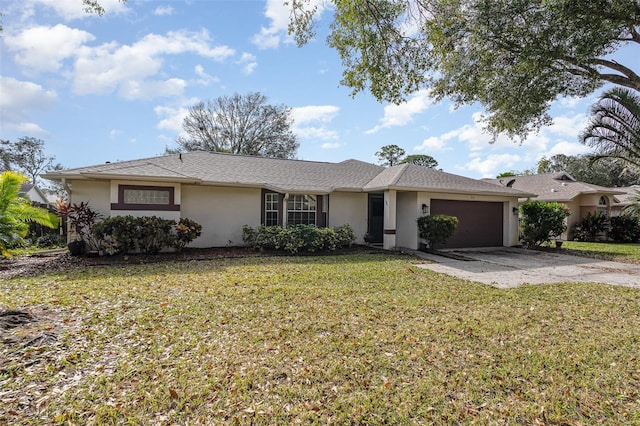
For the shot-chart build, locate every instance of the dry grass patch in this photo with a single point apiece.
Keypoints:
(344, 339)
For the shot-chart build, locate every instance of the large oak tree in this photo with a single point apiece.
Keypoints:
(513, 57)
(239, 124)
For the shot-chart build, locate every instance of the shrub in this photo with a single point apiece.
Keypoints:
(50, 240)
(542, 221)
(81, 218)
(148, 234)
(437, 229)
(186, 231)
(296, 238)
(589, 227)
(624, 229)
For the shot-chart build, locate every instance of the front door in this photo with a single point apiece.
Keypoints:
(376, 218)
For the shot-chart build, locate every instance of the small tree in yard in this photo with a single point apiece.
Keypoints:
(437, 229)
(542, 221)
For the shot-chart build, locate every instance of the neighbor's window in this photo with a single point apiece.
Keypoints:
(603, 205)
(301, 209)
(271, 200)
(137, 197)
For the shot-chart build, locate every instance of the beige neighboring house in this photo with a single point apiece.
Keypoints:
(621, 201)
(579, 197)
(223, 192)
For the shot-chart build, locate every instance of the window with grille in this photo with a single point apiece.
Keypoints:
(301, 210)
(271, 202)
(140, 197)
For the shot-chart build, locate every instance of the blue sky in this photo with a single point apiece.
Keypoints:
(116, 87)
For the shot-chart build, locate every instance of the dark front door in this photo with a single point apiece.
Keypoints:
(376, 218)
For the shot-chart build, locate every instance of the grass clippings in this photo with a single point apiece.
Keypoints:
(354, 339)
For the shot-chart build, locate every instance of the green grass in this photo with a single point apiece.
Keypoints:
(357, 339)
(614, 251)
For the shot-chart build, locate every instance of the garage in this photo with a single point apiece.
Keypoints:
(479, 222)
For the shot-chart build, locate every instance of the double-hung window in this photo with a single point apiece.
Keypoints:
(271, 208)
(301, 209)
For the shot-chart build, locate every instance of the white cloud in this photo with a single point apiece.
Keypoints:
(311, 113)
(43, 48)
(437, 143)
(330, 145)
(18, 100)
(568, 148)
(303, 116)
(249, 63)
(126, 68)
(400, 115)
(73, 9)
(270, 37)
(114, 133)
(171, 118)
(163, 11)
(492, 164)
(205, 79)
(21, 96)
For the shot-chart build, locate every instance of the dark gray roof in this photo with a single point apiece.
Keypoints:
(558, 186)
(282, 175)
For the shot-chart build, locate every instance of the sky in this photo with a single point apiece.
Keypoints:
(116, 87)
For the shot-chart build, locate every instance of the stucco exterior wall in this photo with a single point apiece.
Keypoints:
(349, 208)
(221, 211)
(407, 214)
(96, 193)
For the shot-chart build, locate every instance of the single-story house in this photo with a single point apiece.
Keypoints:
(223, 192)
(579, 197)
(621, 201)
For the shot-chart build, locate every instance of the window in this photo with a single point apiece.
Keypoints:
(603, 205)
(138, 197)
(301, 210)
(271, 204)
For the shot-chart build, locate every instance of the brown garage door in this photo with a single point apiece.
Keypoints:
(479, 222)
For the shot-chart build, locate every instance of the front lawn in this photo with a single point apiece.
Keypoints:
(613, 251)
(354, 339)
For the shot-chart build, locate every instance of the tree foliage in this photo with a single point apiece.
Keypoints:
(27, 156)
(16, 212)
(608, 172)
(513, 57)
(239, 124)
(614, 128)
(390, 155)
(421, 160)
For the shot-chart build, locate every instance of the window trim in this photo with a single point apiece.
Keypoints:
(263, 212)
(121, 205)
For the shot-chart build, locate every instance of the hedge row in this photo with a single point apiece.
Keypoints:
(296, 238)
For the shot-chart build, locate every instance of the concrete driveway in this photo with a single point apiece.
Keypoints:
(507, 267)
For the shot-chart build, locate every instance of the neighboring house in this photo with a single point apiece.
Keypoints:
(33, 193)
(223, 192)
(621, 201)
(579, 197)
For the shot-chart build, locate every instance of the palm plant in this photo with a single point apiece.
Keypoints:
(614, 128)
(633, 208)
(16, 212)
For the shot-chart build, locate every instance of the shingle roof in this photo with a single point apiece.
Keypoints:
(559, 186)
(414, 177)
(625, 198)
(282, 175)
